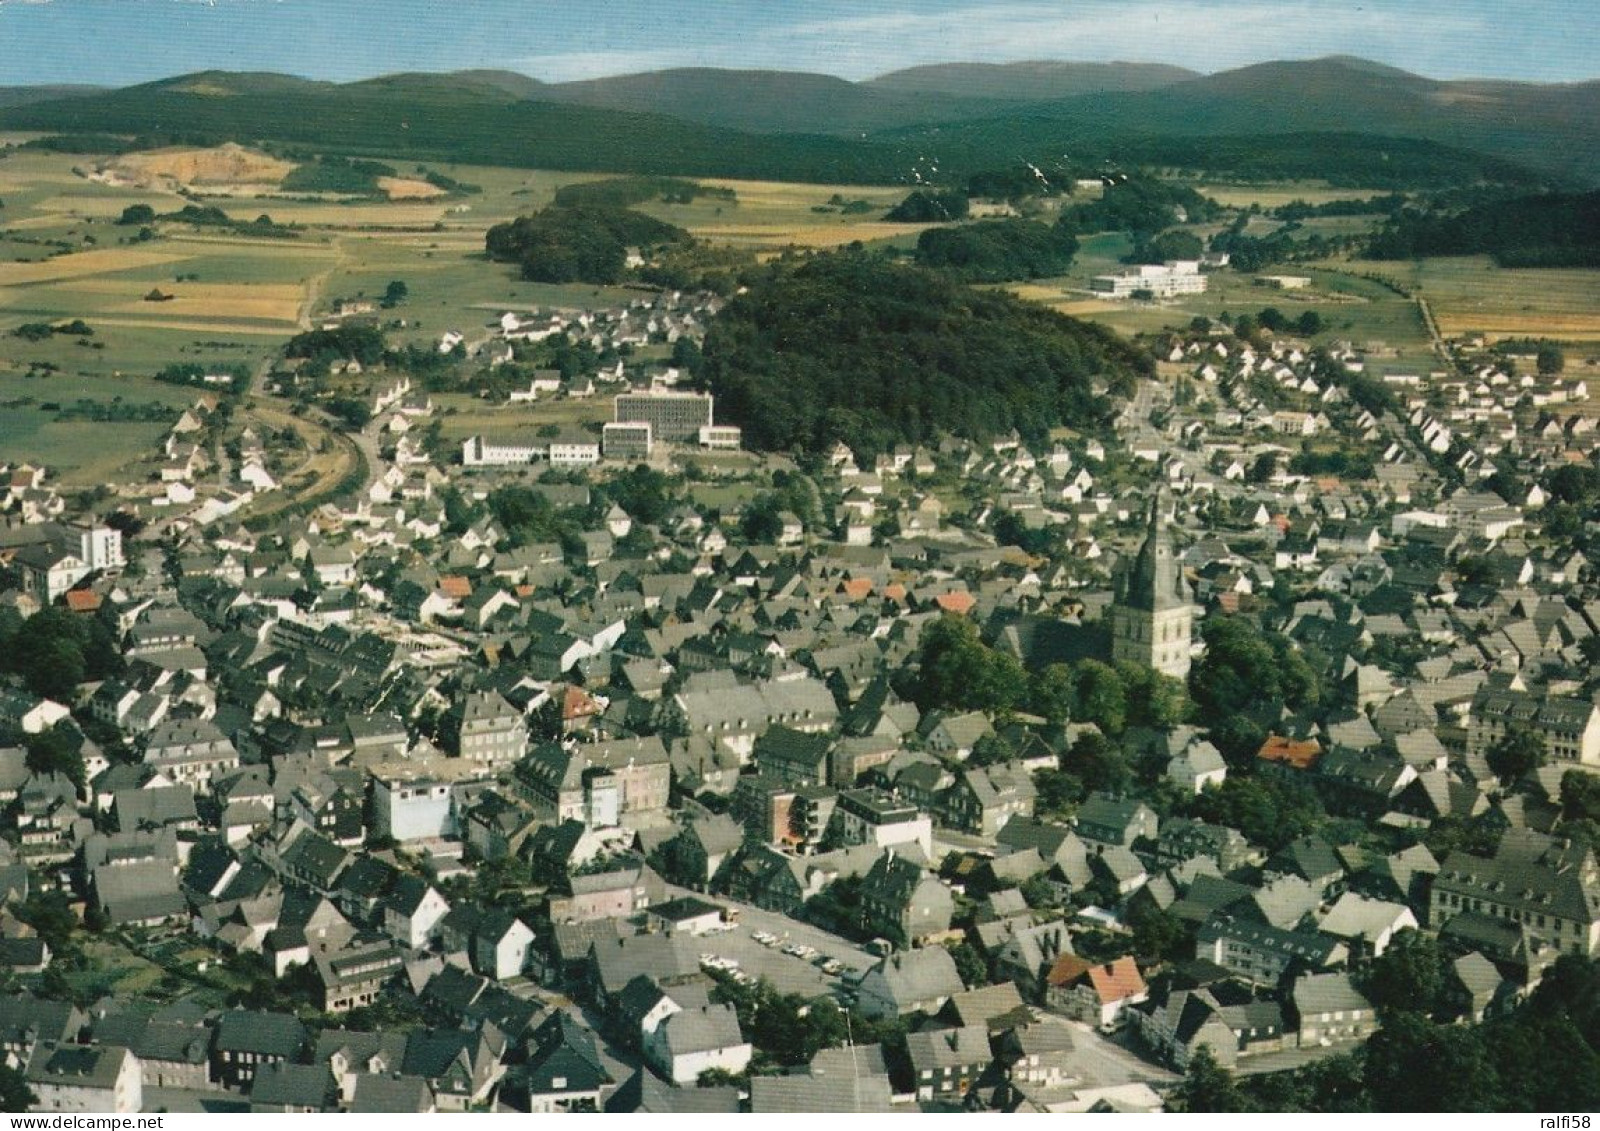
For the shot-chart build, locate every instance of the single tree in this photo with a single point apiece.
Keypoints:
(1518, 752)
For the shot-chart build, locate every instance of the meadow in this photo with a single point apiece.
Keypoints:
(1472, 295)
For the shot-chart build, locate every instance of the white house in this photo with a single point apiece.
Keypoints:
(693, 1041)
(500, 948)
(85, 1078)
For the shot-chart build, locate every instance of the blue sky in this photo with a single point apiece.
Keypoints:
(126, 41)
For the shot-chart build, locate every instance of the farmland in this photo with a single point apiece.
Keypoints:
(230, 295)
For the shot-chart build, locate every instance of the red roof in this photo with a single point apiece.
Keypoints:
(1112, 981)
(1118, 980)
(895, 591)
(83, 600)
(458, 588)
(857, 588)
(576, 703)
(956, 602)
(1299, 754)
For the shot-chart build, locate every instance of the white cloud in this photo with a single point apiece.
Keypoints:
(574, 65)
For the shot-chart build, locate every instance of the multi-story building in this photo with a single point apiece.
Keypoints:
(598, 783)
(674, 418)
(501, 451)
(1549, 888)
(628, 440)
(1161, 280)
(492, 732)
(1569, 727)
(866, 816)
(79, 1078)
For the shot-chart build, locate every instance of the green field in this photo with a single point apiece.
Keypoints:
(87, 452)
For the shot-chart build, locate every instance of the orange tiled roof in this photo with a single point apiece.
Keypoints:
(458, 588)
(1118, 980)
(576, 703)
(83, 600)
(956, 602)
(857, 588)
(1301, 754)
(1113, 981)
(1067, 969)
(895, 591)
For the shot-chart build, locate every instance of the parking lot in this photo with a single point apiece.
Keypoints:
(790, 973)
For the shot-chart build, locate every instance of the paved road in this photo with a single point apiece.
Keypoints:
(1102, 1062)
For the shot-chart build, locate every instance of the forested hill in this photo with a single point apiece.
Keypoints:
(851, 347)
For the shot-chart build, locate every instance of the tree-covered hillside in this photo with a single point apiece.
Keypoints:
(855, 348)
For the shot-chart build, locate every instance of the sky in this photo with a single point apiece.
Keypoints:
(119, 42)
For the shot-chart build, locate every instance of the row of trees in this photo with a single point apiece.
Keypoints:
(1537, 230)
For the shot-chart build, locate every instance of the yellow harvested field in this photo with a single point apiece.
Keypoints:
(399, 188)
(354, 215)
(788, 192)
(82, 264)
(209, 305)
(215, 327)
(819, 235)
(225, 164)
(1275, 196)
(1569, 327)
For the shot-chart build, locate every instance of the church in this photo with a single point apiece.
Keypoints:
(1152, 617)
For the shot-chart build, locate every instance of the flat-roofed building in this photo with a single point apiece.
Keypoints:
(673, 417)
(1161, 280)
(627, 440)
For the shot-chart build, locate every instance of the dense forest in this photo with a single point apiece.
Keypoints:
(852, 347)
(929, 206)
(1142, 205)
(1540, 230)
(625, 192)
(584, 245)
(994, 251)
(339, 174)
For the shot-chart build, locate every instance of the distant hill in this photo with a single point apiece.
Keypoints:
(505, 85)
(1551, 128)
(768, 101)
(1036, 81)
(1347, 120)
(436, 117)
(26, 95)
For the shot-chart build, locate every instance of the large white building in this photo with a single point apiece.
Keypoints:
(501, 451)
(1163, 280)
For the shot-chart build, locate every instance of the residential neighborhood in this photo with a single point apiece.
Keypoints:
(626, 771)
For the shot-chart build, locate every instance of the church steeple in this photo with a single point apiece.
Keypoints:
(1155, 581)
(1153, 614)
